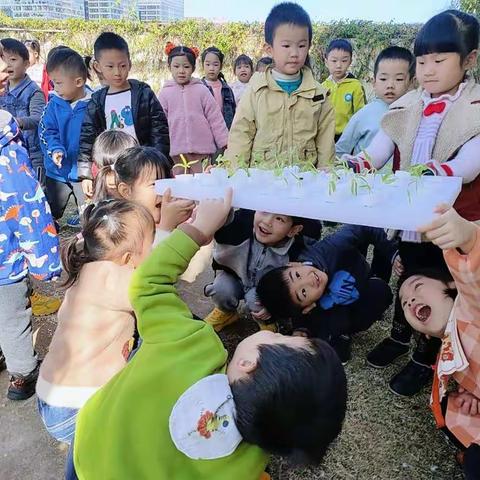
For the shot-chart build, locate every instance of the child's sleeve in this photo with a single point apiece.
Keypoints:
(215, 119)
(359, 99)
(243, 130)
(90, 131)
(376, 155)
(36, 107)
(159, 137)
(49, 134)
(465, 270)
(153, 294)
(465, 164)
(349, 138)
(325, 139)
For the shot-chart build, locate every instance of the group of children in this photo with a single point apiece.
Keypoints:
(127, 347)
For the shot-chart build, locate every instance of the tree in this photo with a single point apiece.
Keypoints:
(470, 6)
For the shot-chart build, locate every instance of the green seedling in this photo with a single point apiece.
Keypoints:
(186, 165)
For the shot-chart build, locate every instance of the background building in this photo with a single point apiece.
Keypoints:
(160, 10)
(110, 9)
(52, 9)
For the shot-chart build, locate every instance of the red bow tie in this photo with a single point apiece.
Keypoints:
(434, 108)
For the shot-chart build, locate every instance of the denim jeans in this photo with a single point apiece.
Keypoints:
(59, 421)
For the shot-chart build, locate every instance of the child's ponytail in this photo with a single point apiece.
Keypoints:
(106, 176)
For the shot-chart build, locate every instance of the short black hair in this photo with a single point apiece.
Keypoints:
(396, 53)
(33, 44)
(449, 31)
(442, 275)
(289, 13)
(182, 52)
(264, 61)
(274, 294)
(293, 404)
(243, 60)
(14, 46)
(109, 41)
(216, 51)
(69, 60)
(339, 44)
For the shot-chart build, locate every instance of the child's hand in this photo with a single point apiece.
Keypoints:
(262, 315)
(212, 214)
(398, 267)
(87, 187)
(174, 211)
(469, 404)
(450, 230)
(57, 158)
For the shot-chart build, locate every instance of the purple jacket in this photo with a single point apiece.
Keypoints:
(195, 122)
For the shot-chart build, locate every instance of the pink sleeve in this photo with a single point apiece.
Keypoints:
(215, 119)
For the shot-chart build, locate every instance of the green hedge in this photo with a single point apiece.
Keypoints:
(147, 40)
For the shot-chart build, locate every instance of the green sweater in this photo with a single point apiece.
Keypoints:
(122, 432)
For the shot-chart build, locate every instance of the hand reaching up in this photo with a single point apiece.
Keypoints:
(174, 211)
(211, 214)
(450, 230)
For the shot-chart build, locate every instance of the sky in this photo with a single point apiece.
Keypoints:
(408, 11)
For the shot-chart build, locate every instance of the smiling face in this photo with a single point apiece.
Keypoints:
(181, 70)
(290, 48)
(243, 72)
(306, 285)
(16, 67)
(442, 73)
(338, 62)
(270, 228)
(114, 65)
(392, 80)
(426, 305)
(212, 67)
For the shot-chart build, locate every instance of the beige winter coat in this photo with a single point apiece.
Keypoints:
(270, 124)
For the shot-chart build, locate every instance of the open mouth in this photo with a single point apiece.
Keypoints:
(263, 231)
(423, 312)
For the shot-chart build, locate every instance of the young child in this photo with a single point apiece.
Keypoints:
(60, 128)
(28, 245)
(24, 100)
(196, 125)
(332, 294)
(249, 245)
(285, 112)
(263, 63)
(438, 126)
(438, 305)
(105, 152)
(243, 70)
(212, 63)
(36, 69)
(94, 335)
(183, 405)
(393, 74)
(346, 92)
(124, 104)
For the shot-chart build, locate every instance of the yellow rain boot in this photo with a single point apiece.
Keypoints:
(219, 319)
(43, 305)
(272, 327)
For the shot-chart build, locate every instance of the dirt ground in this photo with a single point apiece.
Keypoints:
(384, 437)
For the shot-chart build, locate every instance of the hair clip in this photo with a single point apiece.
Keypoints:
(169, 47)
(105, 217)
(195, 51)
(112, 167)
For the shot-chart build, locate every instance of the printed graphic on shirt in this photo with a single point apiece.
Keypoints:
(118, 112)
(348, 97)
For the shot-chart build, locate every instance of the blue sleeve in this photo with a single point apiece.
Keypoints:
(49, 133)
(349, 138)
(33, 226)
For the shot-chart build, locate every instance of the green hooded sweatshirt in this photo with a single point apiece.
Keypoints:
(122, 432)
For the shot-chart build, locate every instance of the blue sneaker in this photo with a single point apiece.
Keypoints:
(73, 221)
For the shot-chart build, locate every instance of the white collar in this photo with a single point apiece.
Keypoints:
(202, 422)
(427, 99)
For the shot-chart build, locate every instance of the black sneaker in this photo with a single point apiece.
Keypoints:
(23, 386)
(411, 380)
(343, 346)
(386, 352)
(3, 364)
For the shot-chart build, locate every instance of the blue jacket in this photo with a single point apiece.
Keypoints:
(26, 101)
(28, 239)
(59, 130)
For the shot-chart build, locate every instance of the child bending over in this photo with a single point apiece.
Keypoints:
(178, 411)
(448, 307)
(331, 294)
(285, 112)
(95, 329)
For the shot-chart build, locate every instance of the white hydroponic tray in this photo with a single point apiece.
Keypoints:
(400, 201)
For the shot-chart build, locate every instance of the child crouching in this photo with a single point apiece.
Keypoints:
(177, 403)
(96, 321)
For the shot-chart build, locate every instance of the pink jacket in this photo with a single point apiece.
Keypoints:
(195, 121)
